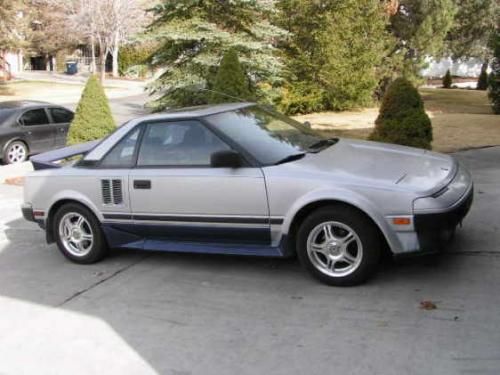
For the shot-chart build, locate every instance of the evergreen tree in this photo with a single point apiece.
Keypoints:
(420, 28)
(447, 80)
(334, 53)
(473, 27)
(93, 119)
(230, 83)
(192, 37)
(494, 79)
(402, 118)
(482, 82)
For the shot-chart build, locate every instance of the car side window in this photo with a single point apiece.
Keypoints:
(61, 115)
(122, 154)
(181, 143)
(34, 117)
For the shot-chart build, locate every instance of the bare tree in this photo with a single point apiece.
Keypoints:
(107, 24)
(129, 17)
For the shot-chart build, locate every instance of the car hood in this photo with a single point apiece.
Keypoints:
(385, 165)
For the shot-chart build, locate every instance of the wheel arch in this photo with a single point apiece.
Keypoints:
(15, 139)
(55, 206)
(306, 209)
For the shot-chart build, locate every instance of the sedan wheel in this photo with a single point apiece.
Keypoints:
(78, 234)
(339, 245)
(16, 152)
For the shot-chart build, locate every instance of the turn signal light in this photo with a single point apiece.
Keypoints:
(401, 221)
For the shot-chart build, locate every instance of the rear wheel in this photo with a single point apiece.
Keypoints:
(79, 235)
(15, 152)
(339, 245)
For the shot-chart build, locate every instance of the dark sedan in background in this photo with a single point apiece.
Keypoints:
(29, 127)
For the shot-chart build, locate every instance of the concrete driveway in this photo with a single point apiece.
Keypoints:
(142, 313)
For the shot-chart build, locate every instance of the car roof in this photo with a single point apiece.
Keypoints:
(172, 114)
(15, 104)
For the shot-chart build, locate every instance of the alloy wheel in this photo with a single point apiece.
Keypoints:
(76, 234)
(334, 249)
(16, 153)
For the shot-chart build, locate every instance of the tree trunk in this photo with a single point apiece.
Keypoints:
(102, 58)
(116, 48)
(93, 67)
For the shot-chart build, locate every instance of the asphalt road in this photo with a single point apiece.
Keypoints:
(140, 313)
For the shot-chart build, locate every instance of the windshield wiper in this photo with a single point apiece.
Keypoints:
(291, 158)
(322, 144)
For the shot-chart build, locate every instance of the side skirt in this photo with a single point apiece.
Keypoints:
(119, 238)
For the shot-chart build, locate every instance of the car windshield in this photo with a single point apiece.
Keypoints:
(269, 137)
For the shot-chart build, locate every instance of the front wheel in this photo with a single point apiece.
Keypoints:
(79, 235)
(339, 245)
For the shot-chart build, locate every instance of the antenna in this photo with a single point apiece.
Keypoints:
(194, 88)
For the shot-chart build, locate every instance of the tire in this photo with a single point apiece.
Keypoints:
(79, 235)
(15, 152)
(339, 245)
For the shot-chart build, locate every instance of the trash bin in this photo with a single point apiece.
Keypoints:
(71, 67)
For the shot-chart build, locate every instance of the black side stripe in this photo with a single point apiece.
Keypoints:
(195, 219)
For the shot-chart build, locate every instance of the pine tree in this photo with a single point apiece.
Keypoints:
(334, 54)
(447, 80)
(402, 118)
(494, 79)
(230, 83)
(420, 28)
(93, 119)
(482, 82)
(193, 36)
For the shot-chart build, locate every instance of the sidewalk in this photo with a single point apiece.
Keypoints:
(64, 89)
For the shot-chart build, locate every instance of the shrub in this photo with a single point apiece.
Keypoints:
(482, 82)
(93, 118)
(494, 80)
(402, 118)
(132, 55)
(447, 80)
(230, 83)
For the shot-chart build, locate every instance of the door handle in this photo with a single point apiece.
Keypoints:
(142, 184)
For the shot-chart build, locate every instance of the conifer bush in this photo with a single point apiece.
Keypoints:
(447, 80)
(93, 119)
(494, 79)
(231, 82)
(482, 82)
(402, 118)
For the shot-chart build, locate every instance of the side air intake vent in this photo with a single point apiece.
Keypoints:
(112, 191)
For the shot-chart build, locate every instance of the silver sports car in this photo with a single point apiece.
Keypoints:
(241, 179)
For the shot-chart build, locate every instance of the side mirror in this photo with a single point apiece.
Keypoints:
(307, 124)
(225, 159)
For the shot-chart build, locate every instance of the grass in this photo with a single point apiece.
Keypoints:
(461, 119)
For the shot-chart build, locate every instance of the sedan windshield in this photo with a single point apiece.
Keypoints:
(269, 137)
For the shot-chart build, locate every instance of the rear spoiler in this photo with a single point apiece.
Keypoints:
(49, 159)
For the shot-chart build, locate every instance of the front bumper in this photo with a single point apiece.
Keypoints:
(435, 229)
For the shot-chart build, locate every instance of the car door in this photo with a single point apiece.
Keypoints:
(61, 118)
(175, 193)
(37, 130)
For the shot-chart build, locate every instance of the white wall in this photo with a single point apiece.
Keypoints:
(438, 68)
